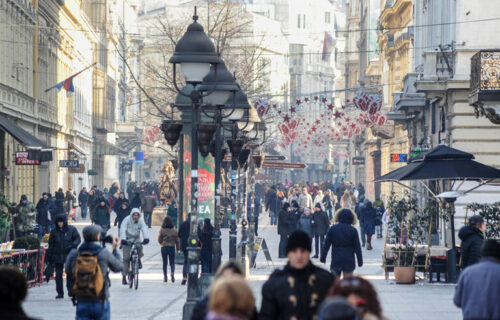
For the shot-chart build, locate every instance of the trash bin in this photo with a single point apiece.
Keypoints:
(451, 265)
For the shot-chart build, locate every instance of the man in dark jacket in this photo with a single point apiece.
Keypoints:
(284, 220)
(273, 205)
(83, 199)
(147, 205)
(320, 228)
(59, 201)
(477, 291)
(296, 291)
(344, 240)
(472, 237)
(255, 200)
(367, 218)
(13, 291)
(99, 308)
(43, 215)
(184, 231)
(62, 240)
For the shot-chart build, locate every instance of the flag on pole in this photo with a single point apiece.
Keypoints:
(327, 46)
(67, 83)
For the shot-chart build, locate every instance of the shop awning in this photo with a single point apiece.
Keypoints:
(21, 135)
(77, 148)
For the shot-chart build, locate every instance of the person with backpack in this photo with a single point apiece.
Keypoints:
(63, 238)
(89, 267)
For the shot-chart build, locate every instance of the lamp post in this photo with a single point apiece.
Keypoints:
(226, 108)
(195, 53)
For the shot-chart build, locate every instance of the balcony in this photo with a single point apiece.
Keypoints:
(485, 84)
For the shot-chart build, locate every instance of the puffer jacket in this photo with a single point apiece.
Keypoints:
(62, 241)
(472, 240)
(305, 224)
(294, 294)
(168, 237)
(321, 223)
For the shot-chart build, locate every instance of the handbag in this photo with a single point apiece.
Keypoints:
(72, 213)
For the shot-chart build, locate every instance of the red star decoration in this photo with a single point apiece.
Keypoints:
(286, 118)
(330, 107)
(306, 99)
(298, 102)
(353, 125)
(279, 111)
(316, 98)
(324, 100)
(313, 129)
(293, 109)
(337, 114)
(347, 100)
(343, 107)
(275, 106)
(318, 122)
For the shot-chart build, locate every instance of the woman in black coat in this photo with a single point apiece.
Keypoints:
(320, 228)
(344, 240)
(368, 218)
(284, 220)
(205, 234)
(122, 212)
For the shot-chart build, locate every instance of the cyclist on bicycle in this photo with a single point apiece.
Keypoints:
(130, 231)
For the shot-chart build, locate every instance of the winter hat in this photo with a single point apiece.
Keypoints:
(135, 210)
(317, 205)
(491, 248)
(90, 233)
(298, 239)
(336, 309)
(173, 202)
(286, 205)
(476, 220)
(24, 198)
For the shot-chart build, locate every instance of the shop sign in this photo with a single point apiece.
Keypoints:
(358, 161)
(126, 167)
(399, 157)
(22, 159)
(79, 169)
(69, 163)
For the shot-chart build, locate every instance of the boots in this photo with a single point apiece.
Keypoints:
(183, 282)
(124, 280)
(369, 246)
(172, 277)
(165, 279)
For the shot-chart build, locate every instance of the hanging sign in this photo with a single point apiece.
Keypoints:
(22, 160)
(399, 157)
(358, 161)
(68, 163)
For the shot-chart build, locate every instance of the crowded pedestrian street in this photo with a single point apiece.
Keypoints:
(158, 300)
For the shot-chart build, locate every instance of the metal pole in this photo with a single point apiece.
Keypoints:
(251, 214)
(244, 226)
(234, 187)
(193, 249)
(216, 238)
(180, 174)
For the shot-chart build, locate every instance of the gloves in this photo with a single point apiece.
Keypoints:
(146, 241)
(124, 242)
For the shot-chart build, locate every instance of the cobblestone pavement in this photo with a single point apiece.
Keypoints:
(158, 300)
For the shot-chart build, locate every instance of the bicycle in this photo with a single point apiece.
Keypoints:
(133, 276)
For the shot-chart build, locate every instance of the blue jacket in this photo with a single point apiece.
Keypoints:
(344, 240)
(368, 218)
(477, 291)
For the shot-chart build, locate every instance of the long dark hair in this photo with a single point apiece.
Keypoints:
(207, 226)
(362, 288)
(168, 223)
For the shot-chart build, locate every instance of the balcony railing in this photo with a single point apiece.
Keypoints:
(485, 84)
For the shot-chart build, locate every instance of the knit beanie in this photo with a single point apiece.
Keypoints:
(298, 239)
(336, 309)
(90, 233)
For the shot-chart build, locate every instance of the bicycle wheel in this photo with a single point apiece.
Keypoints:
(136, 277)
(131, 275)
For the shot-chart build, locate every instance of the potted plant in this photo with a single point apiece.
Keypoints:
(407, 227)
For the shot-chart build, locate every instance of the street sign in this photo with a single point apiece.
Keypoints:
(227, 157)
(126, 167)
(358, 161)
(22, 160)
(399, 157)
(283, 165)
(68, 163)
(79, 169)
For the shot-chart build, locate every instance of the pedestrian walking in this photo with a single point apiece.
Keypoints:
(119, 201)
(284, 221)
(357, 209)
(170, 244)
(347, 201)
(380, 209)
(329, 203)
(306, 222)
(295, 213)
(205, 234)
(477, 292)
(121, 213)
(101, 215)
(133, 226)
(63, 238)
(24, 217)
(296, 291)
(43, 218)
(230, 299)
(472, 237)
(172, 212)
(136, 201)
(59, 201)
(83, 199)
(344, 240)
(305, 199)
(13, 291)
(92, 296)
(360, 294)
(319, 199)
(148, 204)
(69, 202)
(257, 207)
(184, 232)
(320, 228)
(273, 205)
(368, 219)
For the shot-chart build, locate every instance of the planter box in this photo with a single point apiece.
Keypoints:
(404, 275)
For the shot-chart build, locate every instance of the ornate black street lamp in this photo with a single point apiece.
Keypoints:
(195, 53)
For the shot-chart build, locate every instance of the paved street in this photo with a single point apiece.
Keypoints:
(158, 300)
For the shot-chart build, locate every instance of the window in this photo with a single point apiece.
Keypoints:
(327, 18)
(298, 21)
(303, 21)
